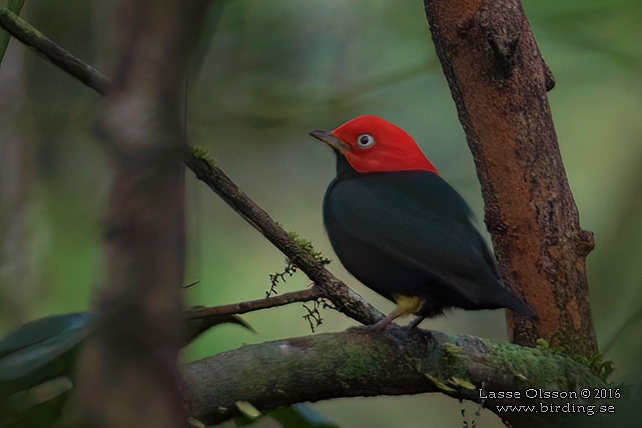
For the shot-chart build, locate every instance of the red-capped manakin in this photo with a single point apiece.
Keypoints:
(401, 230)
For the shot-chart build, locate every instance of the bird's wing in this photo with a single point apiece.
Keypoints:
(417, 219)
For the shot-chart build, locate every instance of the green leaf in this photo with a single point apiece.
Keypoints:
(248, 410)
(199, 325)
(42, 329)
(295, 416)
(41, 350)
(301, 416)
(42, 415)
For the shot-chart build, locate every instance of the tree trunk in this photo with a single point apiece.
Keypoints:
(17, 174)
(128, 374)
(499, 80)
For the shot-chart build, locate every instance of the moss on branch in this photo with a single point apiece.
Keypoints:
(63, 59)
(359, 362)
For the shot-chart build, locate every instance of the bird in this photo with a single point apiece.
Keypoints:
(400, 229)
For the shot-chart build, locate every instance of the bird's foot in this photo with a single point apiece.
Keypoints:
(383, 323)
(415, 323)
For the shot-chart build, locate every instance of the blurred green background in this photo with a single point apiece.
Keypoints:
(270, 73)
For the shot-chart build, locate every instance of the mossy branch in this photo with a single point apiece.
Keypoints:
(14, 6)
(399, 361)
(342, 297)
(63, 59)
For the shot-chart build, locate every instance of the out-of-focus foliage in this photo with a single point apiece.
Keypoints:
(40, 351)
(295, 416)
(36, 362)
(44, 351)
(272, 72)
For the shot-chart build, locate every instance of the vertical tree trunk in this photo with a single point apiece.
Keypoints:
(128, 372)
(499, 81)
(17, 171)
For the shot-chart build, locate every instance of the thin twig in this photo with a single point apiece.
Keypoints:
(340, 295)
(63, 59)
(255, 305)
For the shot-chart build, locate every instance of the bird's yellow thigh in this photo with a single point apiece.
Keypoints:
(407, 305)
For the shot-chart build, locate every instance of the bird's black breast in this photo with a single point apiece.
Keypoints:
(410, 233)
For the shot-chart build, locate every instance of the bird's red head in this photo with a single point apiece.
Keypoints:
(372, 144)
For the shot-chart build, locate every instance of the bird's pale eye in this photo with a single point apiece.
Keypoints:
(365, 140)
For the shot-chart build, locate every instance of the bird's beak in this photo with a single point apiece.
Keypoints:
(331, 140)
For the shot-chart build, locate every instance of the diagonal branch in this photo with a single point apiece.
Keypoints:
(342, 297)
(63, 59)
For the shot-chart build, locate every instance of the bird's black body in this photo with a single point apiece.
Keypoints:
(410, 233)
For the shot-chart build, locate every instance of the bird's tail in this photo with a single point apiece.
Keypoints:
(512, 302)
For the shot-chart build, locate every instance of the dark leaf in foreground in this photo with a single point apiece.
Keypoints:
(41, 350)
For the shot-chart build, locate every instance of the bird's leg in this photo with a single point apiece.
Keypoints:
(380, 325)
(415, 323)
(406, 305)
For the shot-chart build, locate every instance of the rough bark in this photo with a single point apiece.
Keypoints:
(128, 371)
(499, 81)
(361, 363)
